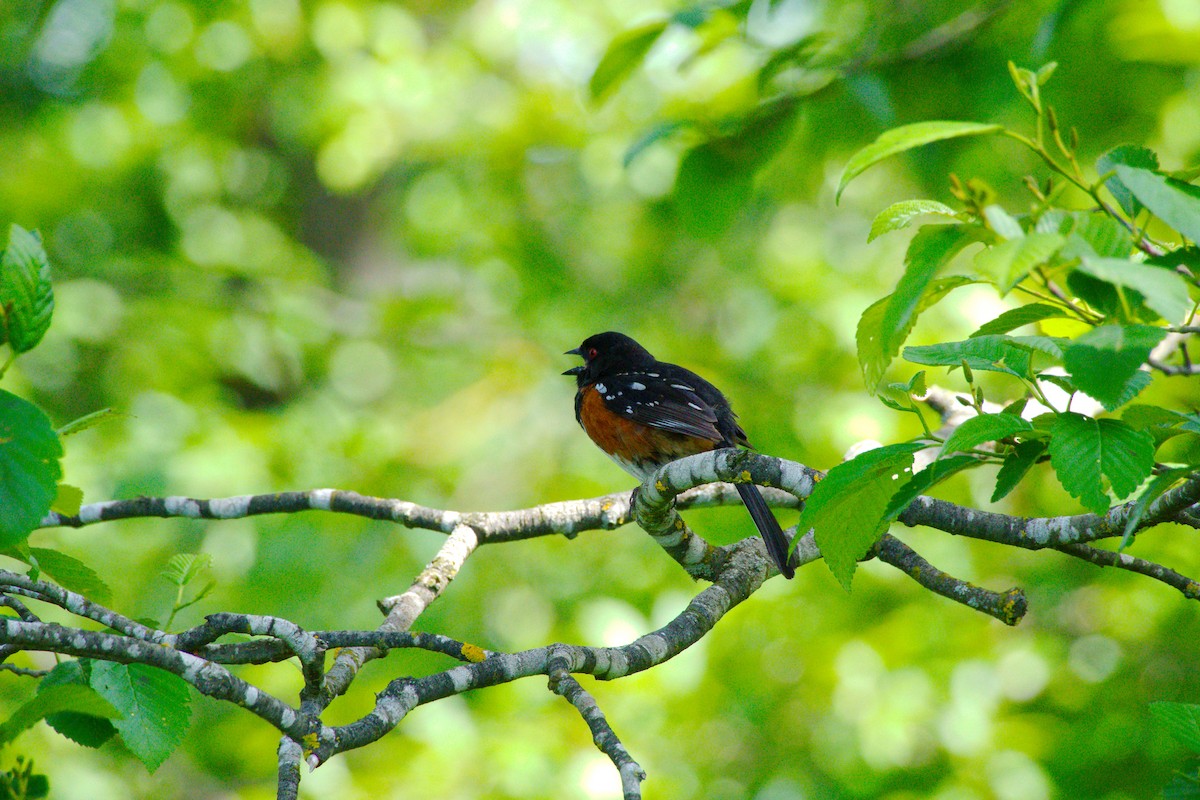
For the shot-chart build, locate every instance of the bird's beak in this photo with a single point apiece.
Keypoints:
(574, 371)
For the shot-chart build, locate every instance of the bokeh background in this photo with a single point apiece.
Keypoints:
(343, 244)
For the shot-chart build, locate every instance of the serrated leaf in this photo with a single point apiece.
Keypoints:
(906, 137)
(934, 473)
(623, 55)
(154, 704)
(182, 568)
(984, 428)
(1174, 202)
(846, 508)
(1019, 317)
(54, 700)
(874, 353)
(1182, 721)
(898, 215)
(71, 573)
(1165, 291)
(1103, 360)
(1007, 263)
(26, 295)
(987, 353)
(1084, 451)
(1015, 465)
(84, 729)
(1131, 155)
(29, 468)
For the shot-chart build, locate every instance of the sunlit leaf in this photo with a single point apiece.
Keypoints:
(846, 508)
(898, 215)
(1131, 155)
(906, 137)
(1019, 317)
(1084, 451)
(875, 352)
(1174, 202)
(985, 428)
(1165, 291)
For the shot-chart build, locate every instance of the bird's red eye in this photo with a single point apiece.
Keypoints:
(591, 353)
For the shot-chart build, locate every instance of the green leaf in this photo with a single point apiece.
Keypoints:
(1105, 359)
(71, 573)
(1182, 720)
(874, 353)
(29, 468)
(716, 179)
(663, 130)
(1131, 155)
(25, 291)
(935, 472)
(624, 54)
(987, 353)
(1006, 264)
(155, 707)
(88, 421)
(904, 138)
(1083, 451)
(54, 700)
(710, 191)
(1019, 317)
(985, 428)
(183, 568)
(1154, 490)
(1174, 202)
(846, 508)
(1165, 291)
(84, 729)
(1016, 464)
(930, 249)
(68, 500)
(898, 215)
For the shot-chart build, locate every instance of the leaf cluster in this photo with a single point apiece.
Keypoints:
(1109, 292)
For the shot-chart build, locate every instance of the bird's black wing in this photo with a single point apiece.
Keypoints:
(661, 400)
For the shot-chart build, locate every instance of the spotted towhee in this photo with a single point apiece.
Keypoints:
(645, 413)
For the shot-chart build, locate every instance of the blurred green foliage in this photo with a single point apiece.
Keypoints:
(344, 243)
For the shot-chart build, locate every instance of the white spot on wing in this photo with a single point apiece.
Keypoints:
(638, 386)
(601, 388)
(682, 386)
(693, 405)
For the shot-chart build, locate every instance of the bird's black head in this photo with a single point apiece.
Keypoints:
(605, 353)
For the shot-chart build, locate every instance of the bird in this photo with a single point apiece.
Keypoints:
(644, 413)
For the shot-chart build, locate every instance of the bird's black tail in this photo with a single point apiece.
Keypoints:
(768, 526)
